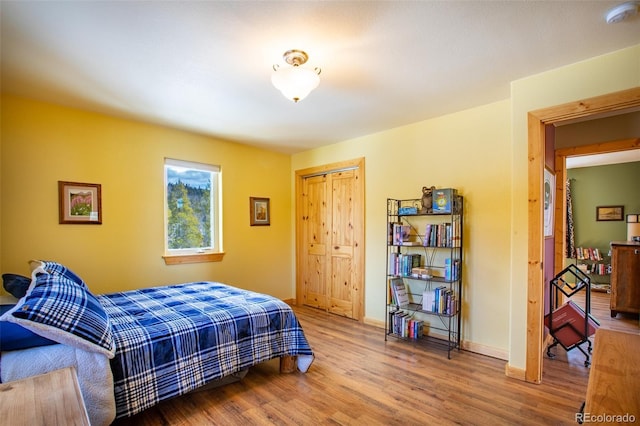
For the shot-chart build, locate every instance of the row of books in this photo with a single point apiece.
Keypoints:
(441, 300)
(442, 235)
(595, 268)
(435, 235)
(403, 324)
(588, 253)
(408, 265)
(403, 263)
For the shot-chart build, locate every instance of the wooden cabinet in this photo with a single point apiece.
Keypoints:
(625, 277)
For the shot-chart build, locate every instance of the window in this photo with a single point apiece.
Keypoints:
(192, 211)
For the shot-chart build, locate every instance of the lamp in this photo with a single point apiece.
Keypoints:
(295, 82)
(633, 227)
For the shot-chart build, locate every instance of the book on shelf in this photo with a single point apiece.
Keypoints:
(392, 262)
(405, 325)
(443, 200)
(398, 319)
(399, 292)
(441, 300)
(588, 253)
(403, 263)
(568, 324)
(442, 235)
(400, 233)
(451, 269)
(456, 241)
(415, 328)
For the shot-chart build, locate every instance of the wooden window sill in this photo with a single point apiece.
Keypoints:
(180, 259)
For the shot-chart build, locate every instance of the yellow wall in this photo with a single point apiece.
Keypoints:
(483, 153)
(610, 73)
(43, 143)
(470, 151)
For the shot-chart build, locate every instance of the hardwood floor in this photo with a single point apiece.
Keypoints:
(357, 378)
(600, 309)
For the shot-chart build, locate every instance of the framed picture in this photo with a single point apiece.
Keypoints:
(79, 203)
(260, 212)
(609, 213)
(549, 205)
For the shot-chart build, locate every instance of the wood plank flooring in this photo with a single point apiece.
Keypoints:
(359, 379)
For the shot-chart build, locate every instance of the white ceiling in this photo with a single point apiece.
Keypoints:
(603, 159)
(205, 66)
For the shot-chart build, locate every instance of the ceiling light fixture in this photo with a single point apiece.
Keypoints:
(622, 11)
(295, 82)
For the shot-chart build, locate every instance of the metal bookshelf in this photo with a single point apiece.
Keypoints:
(425, 258)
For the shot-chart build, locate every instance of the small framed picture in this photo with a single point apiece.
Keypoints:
(260, 212)
(609, 213)
(79, 203)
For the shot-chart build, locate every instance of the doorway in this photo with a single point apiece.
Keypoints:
(610, 103)
(330, 238)
(589, 183)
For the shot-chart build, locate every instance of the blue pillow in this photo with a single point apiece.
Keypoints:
(14, 336)
(16, 285)
(63, 311)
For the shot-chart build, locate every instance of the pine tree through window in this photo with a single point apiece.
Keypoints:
(191, 207)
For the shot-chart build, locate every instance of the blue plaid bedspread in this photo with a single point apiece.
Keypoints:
(173, 339)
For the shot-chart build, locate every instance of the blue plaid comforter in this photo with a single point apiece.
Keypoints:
(173, 339)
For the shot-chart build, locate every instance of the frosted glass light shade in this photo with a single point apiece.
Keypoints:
(295, 82)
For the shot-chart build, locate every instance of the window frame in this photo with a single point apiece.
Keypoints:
(214, 253)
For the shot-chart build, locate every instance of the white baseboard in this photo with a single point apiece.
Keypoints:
(465, 345)
(485, 350)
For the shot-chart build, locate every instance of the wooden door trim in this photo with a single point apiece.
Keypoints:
(358, 256)
(617, 101)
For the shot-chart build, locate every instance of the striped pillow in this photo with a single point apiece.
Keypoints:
(59, 309)
(56, 268)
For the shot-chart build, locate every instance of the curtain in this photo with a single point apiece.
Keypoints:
(570, 236)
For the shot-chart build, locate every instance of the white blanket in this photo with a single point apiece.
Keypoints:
(93, 369)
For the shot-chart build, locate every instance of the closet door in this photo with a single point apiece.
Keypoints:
(341, 250)
(315, 239)
(330, 254)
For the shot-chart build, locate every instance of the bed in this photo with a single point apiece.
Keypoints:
(134, 349)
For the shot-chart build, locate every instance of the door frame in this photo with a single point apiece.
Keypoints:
(561, 176)
(537, 120)
(359, 228)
